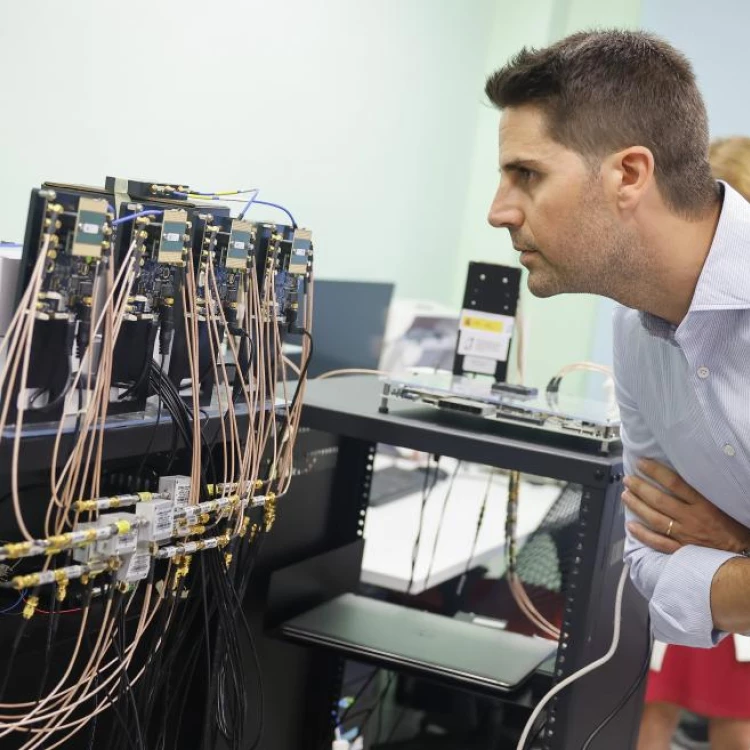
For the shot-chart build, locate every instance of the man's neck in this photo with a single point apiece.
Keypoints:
(677, 250)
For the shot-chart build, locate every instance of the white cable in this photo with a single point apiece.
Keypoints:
(584, 670)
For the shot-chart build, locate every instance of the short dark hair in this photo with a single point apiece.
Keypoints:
(602, 91)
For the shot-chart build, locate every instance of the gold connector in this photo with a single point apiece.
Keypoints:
(81, 506)
(269, 512)
(25, 582)
(62, 591)
(30, 607)
(16, 549)
(243, 527)
(59, 540)
(227, 559)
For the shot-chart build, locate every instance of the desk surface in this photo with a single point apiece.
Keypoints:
(391, 529)
(349, 406)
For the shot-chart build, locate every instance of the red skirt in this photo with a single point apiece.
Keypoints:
(709, 682)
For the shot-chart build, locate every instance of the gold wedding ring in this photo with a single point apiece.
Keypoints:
(669, 528)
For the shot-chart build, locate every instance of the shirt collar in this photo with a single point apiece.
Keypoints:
(724, 282)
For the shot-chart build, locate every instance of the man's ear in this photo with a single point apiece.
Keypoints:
(628, 175)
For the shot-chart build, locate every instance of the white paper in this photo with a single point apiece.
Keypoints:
(481, 365)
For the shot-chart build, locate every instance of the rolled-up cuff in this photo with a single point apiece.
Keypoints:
(681, 604)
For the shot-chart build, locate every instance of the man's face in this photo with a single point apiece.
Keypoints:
(553, 205)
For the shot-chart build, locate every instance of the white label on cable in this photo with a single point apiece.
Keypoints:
(657, 655)
(90, 228)
(741, 647)
(480, 365)
(172, 236)
(482, 344)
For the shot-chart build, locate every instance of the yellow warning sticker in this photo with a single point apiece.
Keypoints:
(482, 324)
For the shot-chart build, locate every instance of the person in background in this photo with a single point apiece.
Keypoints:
(714, 683)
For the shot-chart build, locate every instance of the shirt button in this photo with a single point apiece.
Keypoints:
(729, 450)
(703, 372)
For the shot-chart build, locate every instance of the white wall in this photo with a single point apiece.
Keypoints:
(359, 115)
(561, 329)
(366, 117)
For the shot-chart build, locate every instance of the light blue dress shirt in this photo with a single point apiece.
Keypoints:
(684, 397)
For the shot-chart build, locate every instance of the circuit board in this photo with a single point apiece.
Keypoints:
(155, 283)
(73, 254)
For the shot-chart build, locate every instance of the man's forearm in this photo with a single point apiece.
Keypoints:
(730, 596)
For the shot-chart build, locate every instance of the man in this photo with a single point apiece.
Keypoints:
(606, 189)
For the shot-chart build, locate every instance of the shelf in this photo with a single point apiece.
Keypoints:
(126, 435)
(349, 406)
(429, 645)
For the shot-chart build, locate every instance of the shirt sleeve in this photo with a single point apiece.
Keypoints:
(678, 586)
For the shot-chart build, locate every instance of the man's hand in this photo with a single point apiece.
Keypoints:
(679, 516)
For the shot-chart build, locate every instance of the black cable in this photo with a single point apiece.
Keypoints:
(641, 676)
(143, 375)
(358, 695)
(51, 632)
(379, 729)
(396, 725)
(378, 704)
(477, 531)
(258, 672)
(306, 365)
(537, 734)
(448, 492)
(427, 489)
(126, 692)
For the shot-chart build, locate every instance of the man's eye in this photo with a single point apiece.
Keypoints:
(525, 174)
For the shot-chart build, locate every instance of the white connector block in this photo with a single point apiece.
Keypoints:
(87, 552)
(135, 567)
(177, 486)
(159, 520)
(123, 543)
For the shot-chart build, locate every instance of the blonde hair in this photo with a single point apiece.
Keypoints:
(730, 161)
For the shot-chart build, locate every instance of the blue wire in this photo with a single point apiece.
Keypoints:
(150, 212)
(248, 204)
(12, 606)
(10, 244)
(272, 205)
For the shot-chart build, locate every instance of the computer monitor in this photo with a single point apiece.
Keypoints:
(348, 324)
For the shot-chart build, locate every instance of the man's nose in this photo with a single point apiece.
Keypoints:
(504, 212)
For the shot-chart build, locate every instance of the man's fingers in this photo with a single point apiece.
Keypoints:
(657, 499)
(653, 518)
(669, 480)
(652, 539)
